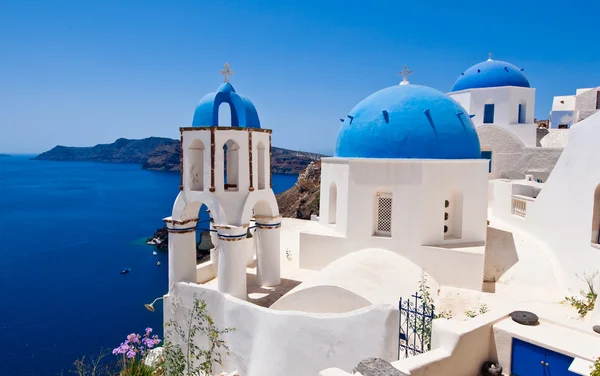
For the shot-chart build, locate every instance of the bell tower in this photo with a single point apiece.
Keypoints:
(227, 168)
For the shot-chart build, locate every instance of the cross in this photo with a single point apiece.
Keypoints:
(489, 56)
(405, 73)
(226, 72)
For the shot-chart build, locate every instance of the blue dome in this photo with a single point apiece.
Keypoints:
(408, 121)
(243, 112)
(491, 73)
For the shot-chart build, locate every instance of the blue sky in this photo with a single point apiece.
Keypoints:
(86, 72)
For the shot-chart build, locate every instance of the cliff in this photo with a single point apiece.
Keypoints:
(121, 151)
(162, 154)
(302, 199)
(4, 155)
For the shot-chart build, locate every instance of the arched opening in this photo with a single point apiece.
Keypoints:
(196, 163)
(332, 203)
(522, 115)
(262, 168)
(205, 239)
(383, 214)
(453, 212)
(596, 217)
(488, 112)
(225, 115)
(231, 165)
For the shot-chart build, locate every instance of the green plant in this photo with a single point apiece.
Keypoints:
(480, 310)
(422, 322)
(585, 303)
(595, 368)
(192, 358)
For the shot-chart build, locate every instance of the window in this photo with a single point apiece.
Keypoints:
(196, 165)
(598, 100)
(522, 116)
(488, 114)
(332, 203)
(563, 126)
(383, 226)
(487, 154)
(262, 176)
(230, 165)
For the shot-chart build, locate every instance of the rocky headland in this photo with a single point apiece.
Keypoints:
(162, 154)
(302, 200)
(4, 155)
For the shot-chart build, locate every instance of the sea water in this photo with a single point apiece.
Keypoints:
(67, 229)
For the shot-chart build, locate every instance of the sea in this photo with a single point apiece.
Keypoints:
(67, 229)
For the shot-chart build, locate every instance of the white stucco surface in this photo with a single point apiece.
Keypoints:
(372, 276)
(562, 214)
(271, 342)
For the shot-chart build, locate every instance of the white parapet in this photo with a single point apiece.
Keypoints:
(182, 249)
(268, 250)
(231, 274)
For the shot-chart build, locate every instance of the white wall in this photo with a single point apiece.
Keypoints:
(561, 216)
(419, 189)
(336, 173)
(372, 275)
(231, 206)
(270, 342)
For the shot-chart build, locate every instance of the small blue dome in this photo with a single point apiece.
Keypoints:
(491, 73)
(243, 112)
(408, 121)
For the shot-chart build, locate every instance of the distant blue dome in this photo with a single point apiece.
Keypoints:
(491, 73)
(408, 121)
(243, 112)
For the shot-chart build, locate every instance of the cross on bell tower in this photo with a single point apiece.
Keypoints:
(489, 56)
(226, 72)
(405, 73)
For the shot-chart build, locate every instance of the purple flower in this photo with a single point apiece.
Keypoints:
(122, 349)
(131, 354)
(148, 331)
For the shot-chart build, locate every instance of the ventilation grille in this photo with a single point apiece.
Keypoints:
(384, 215)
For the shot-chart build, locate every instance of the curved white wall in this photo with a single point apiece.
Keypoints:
(270, 342)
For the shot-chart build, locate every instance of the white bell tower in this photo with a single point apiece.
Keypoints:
(227, 168)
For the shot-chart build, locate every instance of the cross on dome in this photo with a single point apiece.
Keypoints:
(405, 73)
(226, 72)
(489, 56)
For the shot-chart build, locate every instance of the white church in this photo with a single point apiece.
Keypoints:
(406, 196)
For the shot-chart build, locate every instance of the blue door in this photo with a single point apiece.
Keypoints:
(520, 119)
(488, 113)
(532, 360)
(527, 359)
(558, 364)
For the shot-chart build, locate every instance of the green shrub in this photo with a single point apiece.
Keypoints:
(586, 302)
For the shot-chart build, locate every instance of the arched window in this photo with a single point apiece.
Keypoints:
(231, 165)
(488, 113)
(225, 114)
(453, 212)
(383, 217)
(196, 165)
(596, 217)
(486, 153)
(262, 168)
(332, 203)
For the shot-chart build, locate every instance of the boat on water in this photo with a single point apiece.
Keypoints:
(154, 253)
(125, 271)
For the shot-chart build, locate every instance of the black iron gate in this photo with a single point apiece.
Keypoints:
(416, 316)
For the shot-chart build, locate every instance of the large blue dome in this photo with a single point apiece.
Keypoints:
(491, 73)
(408, 121)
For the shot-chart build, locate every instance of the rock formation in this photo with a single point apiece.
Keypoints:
(302, 199)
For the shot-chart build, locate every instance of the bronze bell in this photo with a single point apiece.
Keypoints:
(205, 242)
(249, 234)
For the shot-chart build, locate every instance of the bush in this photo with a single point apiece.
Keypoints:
(133, 352)
(195, 360)
(586, 302)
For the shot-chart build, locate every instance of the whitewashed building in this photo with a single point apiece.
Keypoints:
(570, 109)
